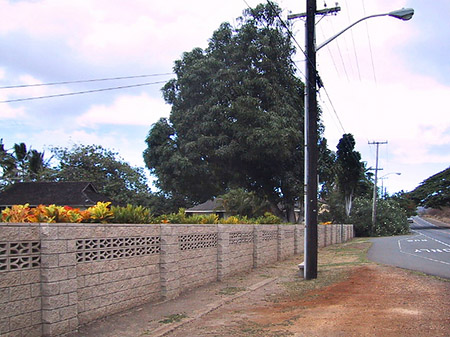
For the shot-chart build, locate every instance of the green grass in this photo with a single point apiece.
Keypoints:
(231, 290)
(173, 318)
(334, 263)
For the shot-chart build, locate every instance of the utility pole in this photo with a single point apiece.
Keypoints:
(374, 206)
(311, 149)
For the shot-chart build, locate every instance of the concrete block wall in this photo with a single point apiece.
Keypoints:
(321, 236)
(197, 254)
(116, 268)
(265, 248)
(55, 277)
(299, 239)
(286, 241)
(20, 281)
(235, 250)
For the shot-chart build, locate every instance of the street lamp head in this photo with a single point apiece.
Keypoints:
(402, 14)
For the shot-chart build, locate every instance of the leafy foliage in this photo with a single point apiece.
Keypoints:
(348, 169)
(21, 164)
(131, 214)
(391, 218)
(17, 213)
(103, 212)
(406, 202)
(243, 203)
(236, 118)
(433, 192)
(53, 213)
(346, 178)
(111, 174)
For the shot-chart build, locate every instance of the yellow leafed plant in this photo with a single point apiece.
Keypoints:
(17, 213)
(100, 212)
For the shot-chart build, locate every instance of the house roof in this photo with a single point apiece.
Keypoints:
(214, 205)
(47, 193)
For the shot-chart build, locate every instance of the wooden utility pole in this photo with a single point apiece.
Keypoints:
(311, 149)
(375, 192)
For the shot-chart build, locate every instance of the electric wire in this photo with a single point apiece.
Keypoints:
(307, 60)
(331, 56)
(291, 35)
(370, 44)
(323, 86)
(82, 81)
(340, 56)
(354, 46)
(81, 92)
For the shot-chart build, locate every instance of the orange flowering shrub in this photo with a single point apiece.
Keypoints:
(52, 213)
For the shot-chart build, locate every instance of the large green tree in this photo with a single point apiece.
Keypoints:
(110, 174)
(349, 169)
(345, 178)
(433, 192)
(21, 164)
(236, 118)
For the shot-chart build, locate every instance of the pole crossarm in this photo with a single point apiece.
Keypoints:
(324, 11)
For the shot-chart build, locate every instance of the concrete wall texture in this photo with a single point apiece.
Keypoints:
(55, 277)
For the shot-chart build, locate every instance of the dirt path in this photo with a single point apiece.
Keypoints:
(351, 297)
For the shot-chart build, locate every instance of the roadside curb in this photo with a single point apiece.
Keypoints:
(166, 329)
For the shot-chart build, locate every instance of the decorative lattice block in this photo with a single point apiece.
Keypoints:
(197, 241)
(289, 234)
(20, 255)
(89, 250)
(237, 238)
(269, 235)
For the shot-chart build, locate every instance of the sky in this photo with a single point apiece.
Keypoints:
(386, 80)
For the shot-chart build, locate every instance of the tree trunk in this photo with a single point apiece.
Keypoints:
(348, 203)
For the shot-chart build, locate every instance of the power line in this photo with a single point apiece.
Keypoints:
(334, 109)
(370, 45)
(291, 35)
(82, 81)
(81, 92)
(353, 41)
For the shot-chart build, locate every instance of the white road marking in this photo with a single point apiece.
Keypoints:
(445, 244)
(421, 256)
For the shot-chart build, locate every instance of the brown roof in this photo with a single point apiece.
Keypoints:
(214, 205)
(79, 194)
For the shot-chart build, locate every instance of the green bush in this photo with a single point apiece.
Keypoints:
(391, 218)
(104, 213)
(268, 219)
(131, 214)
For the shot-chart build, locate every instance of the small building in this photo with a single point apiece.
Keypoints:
(214, 206)
(74, 194)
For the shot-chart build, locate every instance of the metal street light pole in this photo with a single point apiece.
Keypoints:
(383, 192)
(311, 150)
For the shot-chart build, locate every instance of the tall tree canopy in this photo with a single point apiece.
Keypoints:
(110, 174)
(349, 169)
(21, 164)
(236, 118)
(433, 192)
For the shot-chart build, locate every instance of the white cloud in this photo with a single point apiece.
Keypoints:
(108, 32)
(117, 141)
(10, 113)
(126, 110)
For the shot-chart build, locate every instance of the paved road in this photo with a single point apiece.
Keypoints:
(426, 250)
